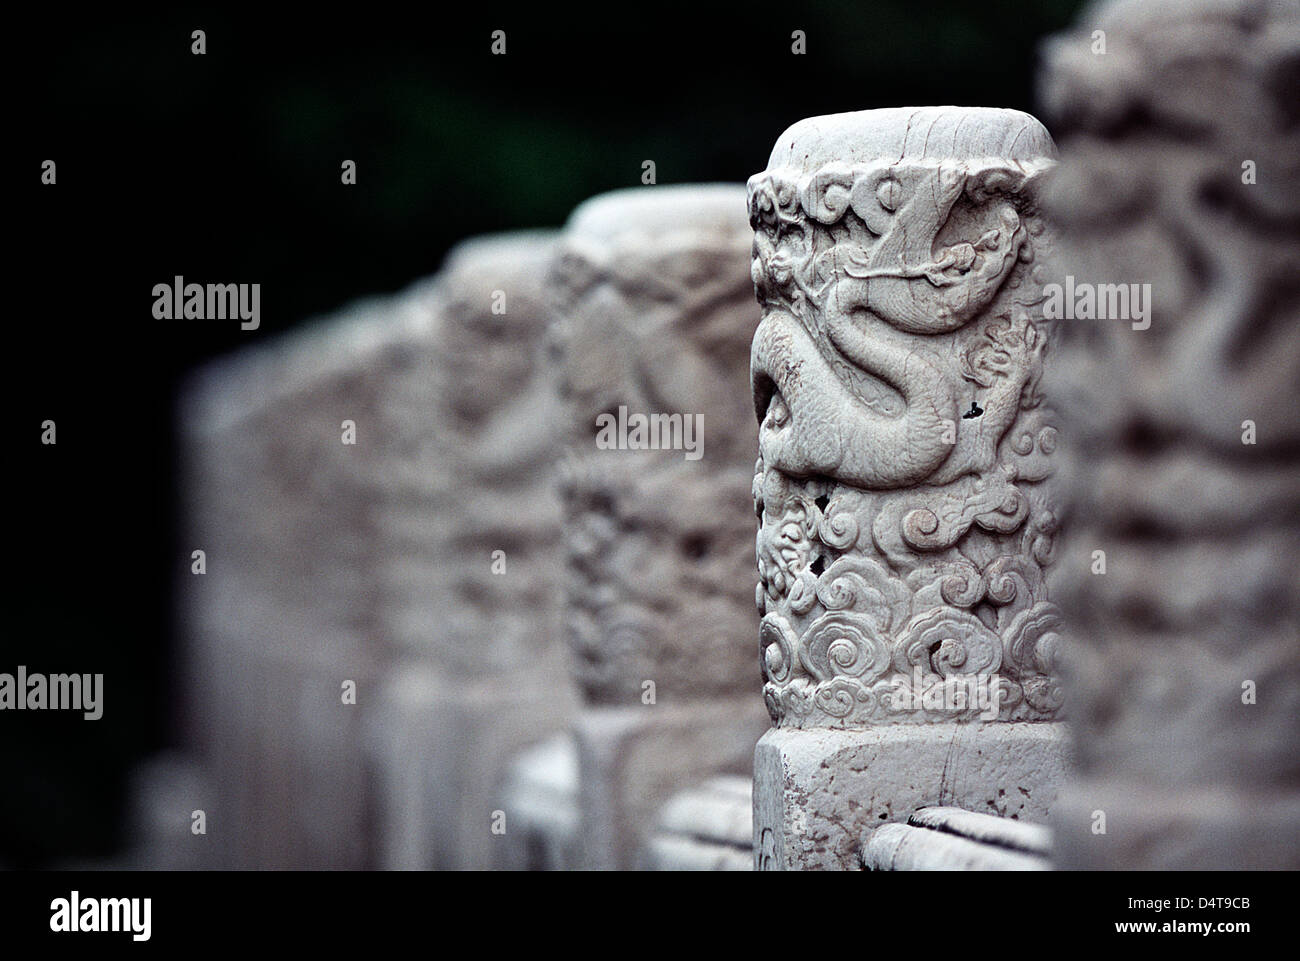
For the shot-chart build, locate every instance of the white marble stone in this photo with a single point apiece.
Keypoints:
(1002, 832)
(818, 791)
(895, 258)
(372, 562)
(289, 606)
(951, 839)
(471, 574)
(633, 760)
(541, 803)
(906, 514)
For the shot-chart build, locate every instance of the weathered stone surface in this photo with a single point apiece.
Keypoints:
(950, 839)
(1179, 574)
(905, 518)
(473, 430)
(652, 287)
(704, 828)
(818, 791)
(657, 317)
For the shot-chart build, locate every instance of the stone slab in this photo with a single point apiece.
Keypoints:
(705, 828)
(818, 791)
(541, 805)
(903, 847)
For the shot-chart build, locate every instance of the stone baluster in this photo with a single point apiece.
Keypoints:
(657, 316)
(470, 572)
(375, 499)
(280, 490)
(906, 522)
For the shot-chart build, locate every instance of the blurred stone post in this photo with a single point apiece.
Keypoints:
(284, 625)
(656, 317)
(1178, 201)
(472, 571)
(376, 631)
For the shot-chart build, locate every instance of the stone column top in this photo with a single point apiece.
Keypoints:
(897, 134)
(659, 211)
(343, 345)
(655, 304)
(476, 272)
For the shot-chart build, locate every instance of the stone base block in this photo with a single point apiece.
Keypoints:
(166, 790)
(817, 792)
(631, 760)
(438, 754)
(1119, 826)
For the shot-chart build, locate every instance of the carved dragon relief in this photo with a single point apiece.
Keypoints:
(902, 537)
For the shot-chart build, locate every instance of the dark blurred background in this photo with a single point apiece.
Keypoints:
(226, 168)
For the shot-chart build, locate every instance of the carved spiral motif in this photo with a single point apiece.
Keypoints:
(963, 586)
(837, 696)
(920, 528)
(832, 643)
(779, 645)
(853, 582)
(803, 591)
(1009, 577)
(948, 641)
(1031, 640)
(838, 530)
(840, 644)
